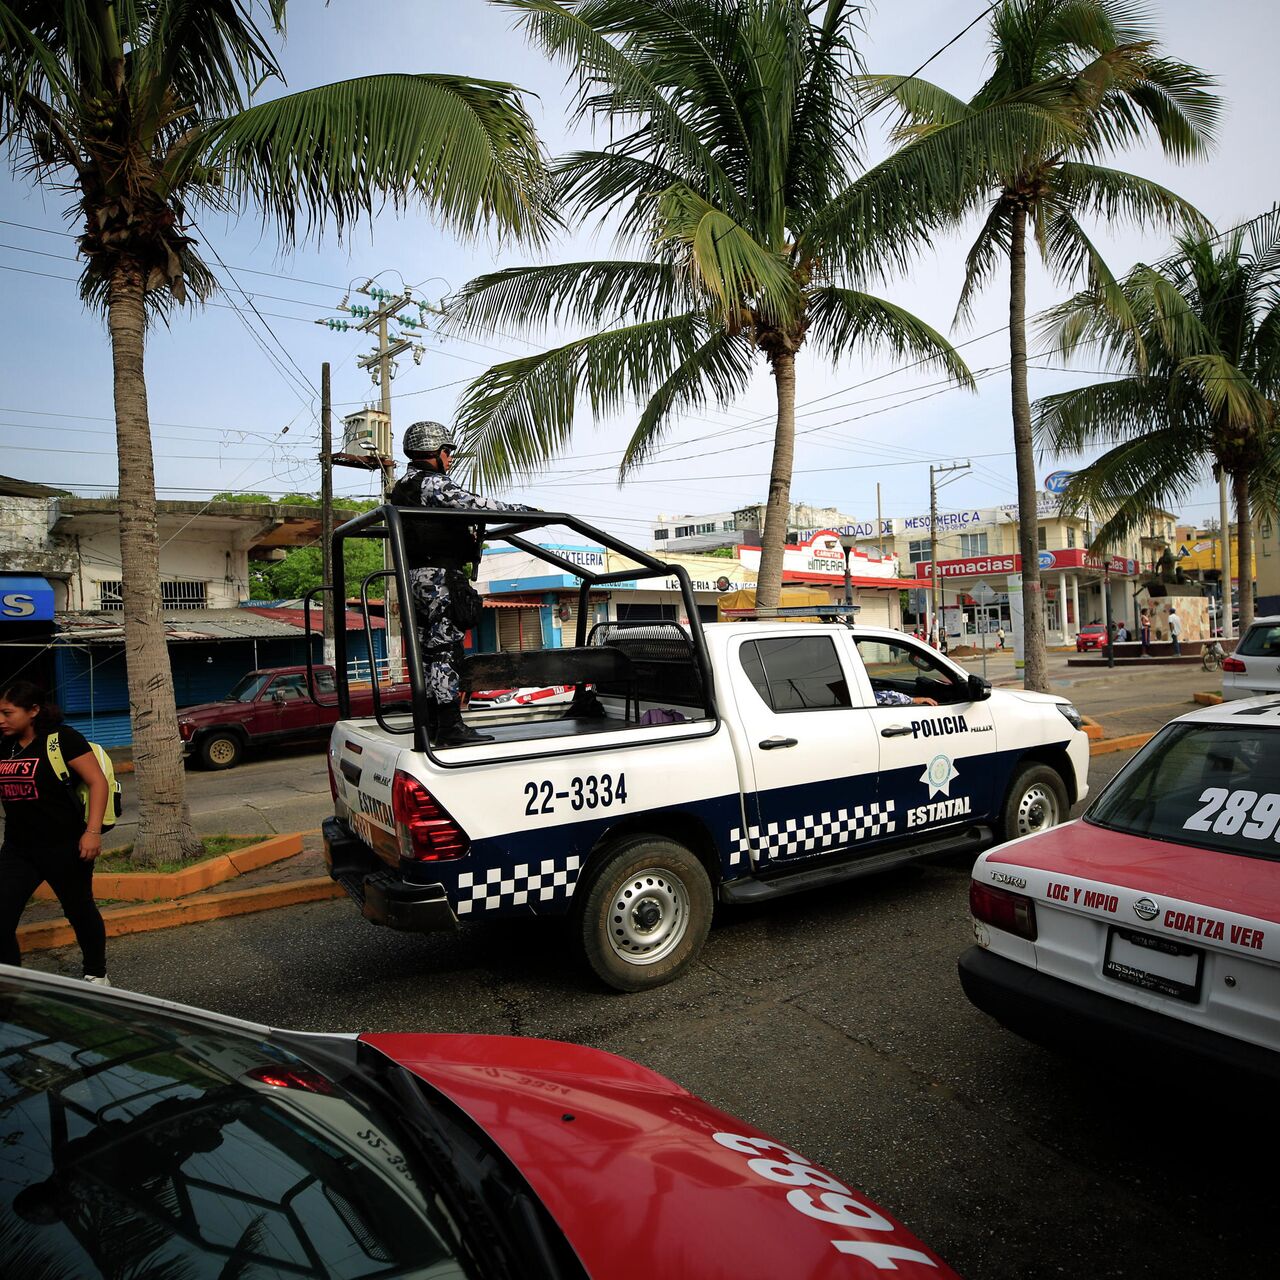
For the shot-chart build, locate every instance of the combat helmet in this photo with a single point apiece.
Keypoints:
(429, 437)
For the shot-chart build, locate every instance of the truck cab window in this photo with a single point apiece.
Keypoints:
(910, 669)
(800, 674)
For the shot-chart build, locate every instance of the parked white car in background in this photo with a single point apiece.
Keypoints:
(1254, 667)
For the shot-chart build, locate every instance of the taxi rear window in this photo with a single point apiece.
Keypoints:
(1212, 785)
(1261, 641)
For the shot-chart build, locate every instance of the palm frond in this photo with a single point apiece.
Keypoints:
(739, 273)
(717, 372)
(1114, 195)
(466, 148)
(1102, 413)
(586, 294)
(516, 417)
(921, 104)
(842, 321)
(985, 256)
(578, 34)
(889, 213)
(1230, 395)
(610, 183)
(1129, 480)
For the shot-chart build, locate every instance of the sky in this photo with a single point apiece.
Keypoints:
(234, 393)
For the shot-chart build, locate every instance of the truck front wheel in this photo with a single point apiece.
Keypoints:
(221, 751)
(1037, 800)
(645, 913)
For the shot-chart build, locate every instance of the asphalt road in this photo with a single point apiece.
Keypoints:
(834, 1021)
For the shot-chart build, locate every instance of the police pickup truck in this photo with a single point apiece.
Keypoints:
(732, 762)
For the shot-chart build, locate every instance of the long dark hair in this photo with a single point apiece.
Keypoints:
(27, 694)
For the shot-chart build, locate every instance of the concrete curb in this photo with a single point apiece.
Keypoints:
(194, 910)
(1207, 699)
(150, 886)
(1092, 729)
(1127, 743)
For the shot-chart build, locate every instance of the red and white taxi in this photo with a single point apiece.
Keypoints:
(213, 1145)
(546, 695)
(1154, 920)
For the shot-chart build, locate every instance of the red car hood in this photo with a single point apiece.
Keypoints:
(213, 712)
(630, 1167)
(1082, 851)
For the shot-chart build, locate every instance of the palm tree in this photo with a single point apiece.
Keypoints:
(734, 141)
(1090, 70)
(1195, 345)
(142, 111)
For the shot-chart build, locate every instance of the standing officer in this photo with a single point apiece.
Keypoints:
(446, 604)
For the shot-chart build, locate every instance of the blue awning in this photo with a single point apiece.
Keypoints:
(25, 599)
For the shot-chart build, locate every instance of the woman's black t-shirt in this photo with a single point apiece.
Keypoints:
(40, 810)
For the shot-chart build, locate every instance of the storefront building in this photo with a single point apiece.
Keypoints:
(529, 605)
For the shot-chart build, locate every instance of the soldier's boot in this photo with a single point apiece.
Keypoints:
(451, 731)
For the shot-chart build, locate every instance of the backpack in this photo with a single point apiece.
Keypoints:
(53, 750)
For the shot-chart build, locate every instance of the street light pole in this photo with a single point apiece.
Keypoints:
(936, 470)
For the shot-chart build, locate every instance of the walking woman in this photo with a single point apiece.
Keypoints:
(46, 837)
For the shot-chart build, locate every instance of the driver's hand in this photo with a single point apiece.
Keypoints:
(924, 702)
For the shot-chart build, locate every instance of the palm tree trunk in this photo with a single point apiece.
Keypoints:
(1035, 672)
(773, 539)
(1244, 551)
(164, 828)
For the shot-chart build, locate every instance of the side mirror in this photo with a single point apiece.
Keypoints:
(979, 689)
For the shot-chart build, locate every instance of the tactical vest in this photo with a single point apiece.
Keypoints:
(446, 544)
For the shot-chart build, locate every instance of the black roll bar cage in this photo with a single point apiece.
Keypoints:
(387, 523)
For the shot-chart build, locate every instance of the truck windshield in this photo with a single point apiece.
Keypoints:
(1216, 786)
(248, 687)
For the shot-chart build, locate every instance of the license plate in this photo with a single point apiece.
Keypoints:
(1155, 964)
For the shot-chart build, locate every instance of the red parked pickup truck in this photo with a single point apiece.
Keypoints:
(272, 707)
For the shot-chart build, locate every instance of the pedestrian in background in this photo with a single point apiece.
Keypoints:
(1000, 637)
(1175, 630)
(47, 838)
(1144, 628)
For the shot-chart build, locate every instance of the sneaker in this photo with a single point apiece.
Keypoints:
(103, 981)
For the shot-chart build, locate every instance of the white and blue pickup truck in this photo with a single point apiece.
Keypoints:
(729, 762)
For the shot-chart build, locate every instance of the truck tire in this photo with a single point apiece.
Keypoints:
(1037, 800)
(221, 750)
(644, 913)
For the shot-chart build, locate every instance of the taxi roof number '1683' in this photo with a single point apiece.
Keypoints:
(139, 1137)
(1154, 921)
(737, 761)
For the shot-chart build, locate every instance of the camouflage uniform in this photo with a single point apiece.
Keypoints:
(438, 634)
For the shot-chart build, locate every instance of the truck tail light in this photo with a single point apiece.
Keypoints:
(427, 833)
(333, 780)
(1013, 912)
(1233, 664)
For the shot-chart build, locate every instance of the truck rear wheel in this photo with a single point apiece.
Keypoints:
(221, 751)
(1037, 800)
(645, 913)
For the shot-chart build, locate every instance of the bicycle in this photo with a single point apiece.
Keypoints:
(1211, 656)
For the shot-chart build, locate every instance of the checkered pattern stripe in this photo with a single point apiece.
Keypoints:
(812, 833)
(517, 886)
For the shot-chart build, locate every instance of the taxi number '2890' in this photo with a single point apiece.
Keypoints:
(592, 792)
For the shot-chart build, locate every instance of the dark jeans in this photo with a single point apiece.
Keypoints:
(71, 878)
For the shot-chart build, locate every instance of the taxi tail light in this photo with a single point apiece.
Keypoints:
(285, 1077)
(1013, 912)
(427, 833)
(1233, 664)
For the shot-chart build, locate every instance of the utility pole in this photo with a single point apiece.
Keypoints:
(880, 524)
(380, 363)
(935, 470)
(326, 509)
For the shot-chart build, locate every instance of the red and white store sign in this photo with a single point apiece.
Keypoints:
(1050, 562)
(823, 556)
